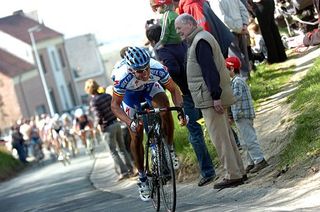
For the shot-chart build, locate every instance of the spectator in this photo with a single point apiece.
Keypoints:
(207, 19)
(258, 47)
(18, 143)
(243, 115)
(25, 130)
(210, 89)
(178, 73)
(110, 127)
(235, 16)
(264, 11)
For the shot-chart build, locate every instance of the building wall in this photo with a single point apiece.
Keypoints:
(85, 62)
(58, 75)
(10, 110)
(30, 94)
(84, 56)
(16, 47)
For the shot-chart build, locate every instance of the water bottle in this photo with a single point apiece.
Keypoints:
(153, 151)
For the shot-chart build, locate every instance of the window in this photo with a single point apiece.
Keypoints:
(73, 98)
(53, 100)
(43, 65)
(61, 58)
(56, 67)
(40, 109)
(85, 99)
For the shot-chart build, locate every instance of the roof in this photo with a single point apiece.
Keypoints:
(11, 65)
(17, 25)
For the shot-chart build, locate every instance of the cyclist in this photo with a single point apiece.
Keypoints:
(55, 127)
(137, 79)
(80, 123)
(67, 133)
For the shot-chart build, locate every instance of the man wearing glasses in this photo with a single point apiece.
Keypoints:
(138, 78)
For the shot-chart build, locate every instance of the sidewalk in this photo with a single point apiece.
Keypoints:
(104, 178)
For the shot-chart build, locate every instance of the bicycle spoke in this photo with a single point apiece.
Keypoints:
(153, 178)
(167, 178)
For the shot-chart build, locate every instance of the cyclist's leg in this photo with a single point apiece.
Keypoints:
(130, 102)
(83, 138)
(160, 99)
(136, 145)
(90, 125)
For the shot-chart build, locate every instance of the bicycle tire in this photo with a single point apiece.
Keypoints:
(167, 177)
(153, 177)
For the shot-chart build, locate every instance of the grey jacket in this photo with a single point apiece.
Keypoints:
(198, 88)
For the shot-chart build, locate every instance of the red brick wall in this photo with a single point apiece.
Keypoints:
(10, 107)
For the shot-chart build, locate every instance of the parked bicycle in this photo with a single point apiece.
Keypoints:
(158, 159)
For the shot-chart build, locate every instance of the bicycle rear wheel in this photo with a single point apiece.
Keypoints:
(167, 177)
(153, 176)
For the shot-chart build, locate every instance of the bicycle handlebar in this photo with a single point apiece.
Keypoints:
(158, 110)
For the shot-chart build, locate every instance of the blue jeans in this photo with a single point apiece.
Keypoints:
(196, 137)
(20, 150)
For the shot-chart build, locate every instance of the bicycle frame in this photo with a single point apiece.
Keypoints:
(162, 173)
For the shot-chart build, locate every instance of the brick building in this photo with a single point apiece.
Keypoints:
(21, 90)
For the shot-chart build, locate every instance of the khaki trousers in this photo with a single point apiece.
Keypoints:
(222, 137)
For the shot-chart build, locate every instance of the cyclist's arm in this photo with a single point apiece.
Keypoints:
(117, 110)
(175, 93)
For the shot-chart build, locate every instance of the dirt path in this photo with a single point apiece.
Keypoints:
(298, 188)
(274, 118)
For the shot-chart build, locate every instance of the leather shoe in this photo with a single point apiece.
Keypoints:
(205, 181)
(228, 183)
(244, 177)
(259, 166)
(249, 167)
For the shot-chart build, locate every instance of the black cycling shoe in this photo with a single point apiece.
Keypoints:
(205, 181)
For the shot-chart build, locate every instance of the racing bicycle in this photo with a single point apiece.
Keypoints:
(158, 159)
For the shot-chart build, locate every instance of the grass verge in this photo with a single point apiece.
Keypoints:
(268, 80)
(305, 142)
(9, 166)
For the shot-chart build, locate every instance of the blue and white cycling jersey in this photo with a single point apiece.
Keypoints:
(125, 80)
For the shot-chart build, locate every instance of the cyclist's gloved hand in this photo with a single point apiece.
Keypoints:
(135, 125)
(183, 119)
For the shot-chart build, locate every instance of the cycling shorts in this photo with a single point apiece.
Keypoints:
(132, 99)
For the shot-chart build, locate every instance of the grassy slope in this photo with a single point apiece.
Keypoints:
(9, 166)
(306, 102)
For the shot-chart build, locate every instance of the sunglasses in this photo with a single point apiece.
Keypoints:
(140, 71)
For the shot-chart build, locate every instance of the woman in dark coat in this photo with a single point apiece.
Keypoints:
(264, 11)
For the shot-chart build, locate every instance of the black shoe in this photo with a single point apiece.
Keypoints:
(249, 167)
(226, 183)
(244, 177)
(205, 181)
(259, 166)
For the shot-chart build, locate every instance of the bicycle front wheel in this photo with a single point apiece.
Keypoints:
(153, 177)
(167, 177)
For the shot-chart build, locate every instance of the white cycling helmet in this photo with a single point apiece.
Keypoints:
(55, 117)
(78, 113)
(65, 117)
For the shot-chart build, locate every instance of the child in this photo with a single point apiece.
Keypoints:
(169, 35)
(258, 47)
(243, 115)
